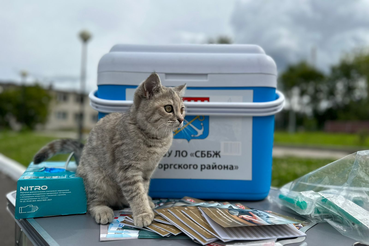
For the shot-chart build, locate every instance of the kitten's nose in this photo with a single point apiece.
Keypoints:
(180, 120)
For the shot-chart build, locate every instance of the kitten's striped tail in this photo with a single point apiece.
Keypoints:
(61, 146)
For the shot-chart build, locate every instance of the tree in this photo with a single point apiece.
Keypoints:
(304, 87)
(222, 39)
(349, 88)
(27, 105)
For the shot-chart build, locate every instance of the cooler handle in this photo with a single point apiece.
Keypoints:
(201, 108)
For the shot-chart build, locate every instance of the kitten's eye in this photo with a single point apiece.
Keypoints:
(168, 108)
(182, 109)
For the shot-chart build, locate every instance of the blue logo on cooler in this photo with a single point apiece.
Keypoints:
(194, 127)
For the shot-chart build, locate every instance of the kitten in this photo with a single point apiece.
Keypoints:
(123, 150)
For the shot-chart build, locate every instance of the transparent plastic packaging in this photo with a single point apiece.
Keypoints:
(337, 193)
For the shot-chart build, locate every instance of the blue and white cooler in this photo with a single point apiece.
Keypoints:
(224, 149)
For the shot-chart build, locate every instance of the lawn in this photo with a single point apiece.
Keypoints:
(290, 168)
(322, 139)
(22, 147)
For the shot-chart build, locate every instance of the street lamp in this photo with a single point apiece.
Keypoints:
(85, 36)
(24, 75)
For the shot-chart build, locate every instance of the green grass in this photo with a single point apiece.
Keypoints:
(21, 147)
(290, 168)
(319, 139)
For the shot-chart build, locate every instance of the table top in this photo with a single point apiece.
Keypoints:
(82, 230)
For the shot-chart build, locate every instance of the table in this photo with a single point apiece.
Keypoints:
(82, 230)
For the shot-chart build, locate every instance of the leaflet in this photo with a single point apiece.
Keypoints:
(207, 236)
(246, 217)
(254, 232)
(181, 226)
(195, 215)
(151, 228)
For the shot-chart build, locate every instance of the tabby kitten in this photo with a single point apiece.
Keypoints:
(123, 150)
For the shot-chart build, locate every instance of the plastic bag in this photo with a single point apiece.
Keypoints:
(337, 193)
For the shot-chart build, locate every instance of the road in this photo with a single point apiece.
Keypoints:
(313, 153)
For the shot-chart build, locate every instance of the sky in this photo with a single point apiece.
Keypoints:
(41, 37)
(289, 30)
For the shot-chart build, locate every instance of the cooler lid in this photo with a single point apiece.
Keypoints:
(188, 59)
(189, 48)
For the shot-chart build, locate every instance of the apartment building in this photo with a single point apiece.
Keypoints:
(64, 112)
(64, 109)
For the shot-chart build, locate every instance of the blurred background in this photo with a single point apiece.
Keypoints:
(49, 53)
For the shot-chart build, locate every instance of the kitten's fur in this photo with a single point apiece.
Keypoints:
(122, 151)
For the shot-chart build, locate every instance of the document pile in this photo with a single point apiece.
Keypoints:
(207, 222)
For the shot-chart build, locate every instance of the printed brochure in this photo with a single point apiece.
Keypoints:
(205, 223)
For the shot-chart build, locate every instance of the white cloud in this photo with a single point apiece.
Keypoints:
(288, 30)
(42, 36)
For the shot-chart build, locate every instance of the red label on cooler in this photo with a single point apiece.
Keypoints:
(196, 99)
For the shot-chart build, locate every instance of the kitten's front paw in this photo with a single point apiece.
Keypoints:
(152, 205)
(144, 219)
(102, 214)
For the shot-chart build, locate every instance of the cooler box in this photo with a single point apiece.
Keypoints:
(224, 150)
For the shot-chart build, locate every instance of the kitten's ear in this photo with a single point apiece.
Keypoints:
(181, 89)
(151, 86)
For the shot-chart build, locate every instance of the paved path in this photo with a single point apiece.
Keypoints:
(7, 225)
(280, 151)
(10, 171)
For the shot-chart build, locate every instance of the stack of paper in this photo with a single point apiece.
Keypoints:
(206, 225)
(123, 227)
(207, 222)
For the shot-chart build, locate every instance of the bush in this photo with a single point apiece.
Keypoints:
(26, 106)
